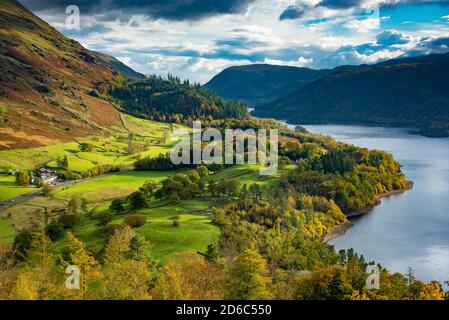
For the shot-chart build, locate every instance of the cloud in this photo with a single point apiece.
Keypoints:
(134, 24)
(336, 7)
(365, 25)
(184, 66)
(164, 9)
(300, 62)
(293, 12)
(392, 37)
(340, 4)
(377, 56)
(128, 61)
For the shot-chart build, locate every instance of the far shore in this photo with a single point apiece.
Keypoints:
(340, 230)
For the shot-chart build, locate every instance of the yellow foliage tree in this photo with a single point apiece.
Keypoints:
(248, 277)
(88, 266)
(189, 276)
(432, 291)
(124, 279)
(40, 282)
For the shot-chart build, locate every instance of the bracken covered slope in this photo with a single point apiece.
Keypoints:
(45, 81)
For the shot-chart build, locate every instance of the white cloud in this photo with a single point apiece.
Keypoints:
(377, 56)
(162, 64)
(365, 25)
(127, 60)
(300, 62)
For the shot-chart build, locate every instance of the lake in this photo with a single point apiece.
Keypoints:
(411, 229)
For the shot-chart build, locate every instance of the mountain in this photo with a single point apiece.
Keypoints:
(45, 81)
(408, 92)
(118, 66)
(261, 83)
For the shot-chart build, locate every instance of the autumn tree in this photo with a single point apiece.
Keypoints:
(88, 266)
(432, 291)
(191, 277)
(62, 162)
(248, 277)
(47, 189)
(74, 204)
(124, 278)
(23, 178)
(139, 248)
(40, 281)
(104, 218)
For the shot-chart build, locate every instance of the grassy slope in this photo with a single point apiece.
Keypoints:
(9, 189)
(110, 187)
(107, 150)
(246, 174)
(194, 233)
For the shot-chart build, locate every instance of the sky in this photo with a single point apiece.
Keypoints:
(196, 39)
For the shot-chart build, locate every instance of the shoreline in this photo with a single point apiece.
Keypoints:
(340, 230)
(412, 130)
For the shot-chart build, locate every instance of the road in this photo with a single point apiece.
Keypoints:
(19, 199)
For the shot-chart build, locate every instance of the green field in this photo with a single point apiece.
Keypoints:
(245, 174)
(194, 233)
(106, 188)
(9, 189)
(97, 191)
(152, 139)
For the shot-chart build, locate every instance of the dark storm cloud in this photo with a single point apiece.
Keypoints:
(340, 4)
(168, 9)
(292, 12)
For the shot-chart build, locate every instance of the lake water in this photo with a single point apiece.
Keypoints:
(411, 229)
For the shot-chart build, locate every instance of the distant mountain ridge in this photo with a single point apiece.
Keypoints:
(259, 84)
(407, 92)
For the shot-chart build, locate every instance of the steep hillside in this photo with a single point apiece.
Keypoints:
(260, 83)
(45, 79)
(170, 99)
(405, 92)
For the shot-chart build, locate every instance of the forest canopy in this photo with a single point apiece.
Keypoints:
(174, 100)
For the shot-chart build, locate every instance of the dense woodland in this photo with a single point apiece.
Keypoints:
(174, 100)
